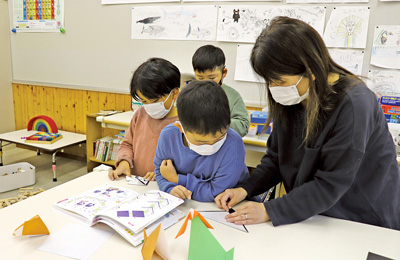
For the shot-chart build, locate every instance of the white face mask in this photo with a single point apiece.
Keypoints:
(205, 149)
(157, 110)
(289, 95)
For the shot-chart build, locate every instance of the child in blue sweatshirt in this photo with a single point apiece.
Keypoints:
(200, 156)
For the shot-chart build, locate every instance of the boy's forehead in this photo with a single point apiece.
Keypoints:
(215, 71)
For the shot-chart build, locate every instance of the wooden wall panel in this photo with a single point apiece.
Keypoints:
(18, 106)
(67, 107)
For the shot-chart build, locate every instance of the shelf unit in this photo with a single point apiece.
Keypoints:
(109, 125)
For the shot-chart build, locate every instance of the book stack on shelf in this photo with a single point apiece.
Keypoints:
(106, 148)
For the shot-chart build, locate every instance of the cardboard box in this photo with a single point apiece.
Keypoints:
(260, 128)
(17, 175)
(390, 100)
(395, 110)
(258, 117)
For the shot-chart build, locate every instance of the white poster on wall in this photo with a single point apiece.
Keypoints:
(386, 47)
(351, 60)
(347, 27)
(243, 69)
(245, 23)
(38, 16)
(177, 22)
(231, 1)
(114, 2)
(384, 82)
(324, 1)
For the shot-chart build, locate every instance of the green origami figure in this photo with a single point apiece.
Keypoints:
(203, 244)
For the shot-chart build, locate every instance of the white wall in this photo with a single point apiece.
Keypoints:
(7, 122)
(97, 51)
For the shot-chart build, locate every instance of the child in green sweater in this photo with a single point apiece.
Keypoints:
(209, 64)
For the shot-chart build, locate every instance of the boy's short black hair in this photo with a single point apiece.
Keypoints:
(155, 78)
(203, 108)
(208, 57)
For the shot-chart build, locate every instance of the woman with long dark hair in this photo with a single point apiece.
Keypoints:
(330, 144)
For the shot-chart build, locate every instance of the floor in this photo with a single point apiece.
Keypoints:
(67, 169)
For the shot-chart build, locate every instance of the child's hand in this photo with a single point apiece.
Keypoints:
(150, 176)
(168, 171)
(230, 197)
(181, 192)
(123, 168)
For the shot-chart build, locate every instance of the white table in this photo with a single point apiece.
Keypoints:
(18, 137)
(317, 238)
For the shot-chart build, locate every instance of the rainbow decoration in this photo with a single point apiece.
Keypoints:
(43, 124)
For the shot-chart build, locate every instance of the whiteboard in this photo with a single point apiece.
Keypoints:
(97, 52)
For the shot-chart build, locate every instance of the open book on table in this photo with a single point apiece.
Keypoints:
(124, 210)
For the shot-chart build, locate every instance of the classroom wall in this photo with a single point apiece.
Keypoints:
(97, 53)
(6, 98)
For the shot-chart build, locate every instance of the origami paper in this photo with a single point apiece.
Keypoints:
(155, 242)
(202, 244)
(33, 227)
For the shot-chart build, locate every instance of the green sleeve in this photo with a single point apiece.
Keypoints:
(239, 115)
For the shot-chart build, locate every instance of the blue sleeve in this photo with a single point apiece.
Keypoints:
(228, 173)
(163, 184)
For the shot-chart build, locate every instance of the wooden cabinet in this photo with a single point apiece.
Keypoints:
(108, 126)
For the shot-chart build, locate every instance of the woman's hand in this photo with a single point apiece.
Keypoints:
(181, 192)
(150, 176)
(249, 213)
(230, 198)
(123, 168)
(167, 170)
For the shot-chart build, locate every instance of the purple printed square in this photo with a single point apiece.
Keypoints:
(138, 214)
(124, 214)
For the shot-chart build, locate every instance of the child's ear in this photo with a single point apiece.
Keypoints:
(224, 72)
(175, 93)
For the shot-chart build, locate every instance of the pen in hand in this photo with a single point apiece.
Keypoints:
(231, 210)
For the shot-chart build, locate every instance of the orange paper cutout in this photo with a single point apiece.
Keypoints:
(34, 226)
(149, 243)
(156, 242)
(191, 215)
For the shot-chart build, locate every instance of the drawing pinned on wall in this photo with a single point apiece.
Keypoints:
(114, 2)
(193, 22)
(324, 1)
(347, 27)
(386, 47)
(231, 1)
(243, 69)
(351, 60)
(384, 82)
(245, 23)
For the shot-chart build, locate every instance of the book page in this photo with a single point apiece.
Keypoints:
(167, 220)
(138, 212)
(93, 202)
